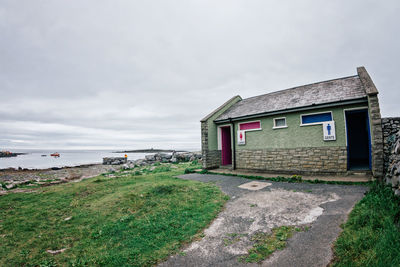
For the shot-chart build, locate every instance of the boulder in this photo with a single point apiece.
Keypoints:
(150, 157)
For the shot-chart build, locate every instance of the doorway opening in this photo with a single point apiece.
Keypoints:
(358, 140)
(226, 146)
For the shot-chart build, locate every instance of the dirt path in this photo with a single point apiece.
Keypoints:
(322, 207)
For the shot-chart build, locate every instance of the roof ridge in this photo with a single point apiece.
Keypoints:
(292, 88)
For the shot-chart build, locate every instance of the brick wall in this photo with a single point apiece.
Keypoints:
(329, 160)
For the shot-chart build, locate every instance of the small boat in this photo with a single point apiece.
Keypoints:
(56, 155)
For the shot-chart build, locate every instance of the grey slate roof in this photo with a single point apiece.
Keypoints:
(342, 89)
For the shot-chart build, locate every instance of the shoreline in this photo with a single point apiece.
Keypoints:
(150, 151)
(19, 169)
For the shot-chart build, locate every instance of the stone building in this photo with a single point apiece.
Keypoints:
(329, 127)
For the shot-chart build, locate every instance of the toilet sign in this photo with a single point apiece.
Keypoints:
(241, 137)
(329, 130)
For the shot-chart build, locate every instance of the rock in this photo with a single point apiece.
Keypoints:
(10, 186)
(150, 157)
(126, 167)
(397, 147)
(54, 252)
(114, 161)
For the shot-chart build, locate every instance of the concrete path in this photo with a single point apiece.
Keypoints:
(252, 210)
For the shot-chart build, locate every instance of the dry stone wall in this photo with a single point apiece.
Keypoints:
(393, 169)
(390, 127)
(323, 160)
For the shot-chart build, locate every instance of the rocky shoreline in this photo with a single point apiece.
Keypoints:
(7, 154)
(12, 180)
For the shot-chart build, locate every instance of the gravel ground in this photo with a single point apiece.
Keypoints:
(320, 206)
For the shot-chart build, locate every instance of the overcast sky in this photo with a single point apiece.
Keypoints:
(138, 74)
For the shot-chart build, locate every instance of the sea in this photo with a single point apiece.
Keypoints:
(35, 159)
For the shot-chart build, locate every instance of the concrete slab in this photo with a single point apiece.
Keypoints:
(323, 207)
(255, 185)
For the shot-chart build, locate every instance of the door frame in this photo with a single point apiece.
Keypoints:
(369, 134)
(220, 145)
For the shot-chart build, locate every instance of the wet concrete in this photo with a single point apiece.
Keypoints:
(322, 207)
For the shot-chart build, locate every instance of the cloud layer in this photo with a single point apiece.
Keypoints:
(136, 74)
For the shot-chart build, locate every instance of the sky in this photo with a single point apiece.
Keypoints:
(141, 74)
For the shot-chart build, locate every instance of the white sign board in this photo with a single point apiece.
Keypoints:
(329, 130)
(241, 137)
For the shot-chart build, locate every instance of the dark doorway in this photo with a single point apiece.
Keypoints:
(358, 140)
(226, 145)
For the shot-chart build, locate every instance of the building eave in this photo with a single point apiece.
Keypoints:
(289, 110)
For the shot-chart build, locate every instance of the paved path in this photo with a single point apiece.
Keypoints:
(322, 207)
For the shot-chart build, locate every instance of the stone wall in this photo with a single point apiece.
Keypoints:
(211, 158)
(375, 122)
(392, 176)
(322, 160)
(390, 126)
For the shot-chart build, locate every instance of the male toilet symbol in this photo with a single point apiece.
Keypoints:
(329, 129)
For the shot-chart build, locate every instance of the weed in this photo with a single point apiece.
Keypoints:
(162, 169)
(289, 180)
(267, 243)
(189, 170)
(371, 236)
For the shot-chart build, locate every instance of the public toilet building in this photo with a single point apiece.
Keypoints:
(329, 127)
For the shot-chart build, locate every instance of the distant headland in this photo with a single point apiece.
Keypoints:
(151, 150)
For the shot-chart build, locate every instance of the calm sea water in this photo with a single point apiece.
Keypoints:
(34, 159)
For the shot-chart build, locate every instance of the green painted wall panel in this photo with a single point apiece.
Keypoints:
(294, 135)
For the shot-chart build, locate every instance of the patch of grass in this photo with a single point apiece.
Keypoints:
(164, 168)
(371, 236)
(268, 243)
(292, 179)
(122, 221)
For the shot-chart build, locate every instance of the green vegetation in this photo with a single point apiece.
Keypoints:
(268, 243)
(136, 217)
(292, 179)
(371, 236)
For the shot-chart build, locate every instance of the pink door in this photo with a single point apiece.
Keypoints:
(226, 145)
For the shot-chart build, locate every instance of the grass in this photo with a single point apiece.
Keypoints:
(371, 236)
(137, 218)
(268, 243)
(292, 179)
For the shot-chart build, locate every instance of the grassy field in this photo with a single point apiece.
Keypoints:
(371, 236)
(136, 217)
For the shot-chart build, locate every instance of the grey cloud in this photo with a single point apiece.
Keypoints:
(143, 73)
